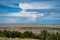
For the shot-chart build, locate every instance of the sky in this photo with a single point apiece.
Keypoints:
(29, 11)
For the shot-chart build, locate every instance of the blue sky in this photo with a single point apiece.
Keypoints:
(30, 11)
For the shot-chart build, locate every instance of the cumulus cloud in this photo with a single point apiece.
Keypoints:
(36, 5)
(24, 13)
(29, 15)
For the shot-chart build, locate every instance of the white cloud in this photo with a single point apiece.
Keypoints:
(53, 16)
(11, 20)
(23, 13)
(36, 5)
(29, 15)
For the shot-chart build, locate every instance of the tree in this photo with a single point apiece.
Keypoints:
(6, 33)
(43, 34)
(28, 34)
(17, 34)
(1, 34)
(57, 36)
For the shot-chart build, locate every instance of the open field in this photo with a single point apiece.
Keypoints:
(35, 28)
(16, 39)
(30, 27)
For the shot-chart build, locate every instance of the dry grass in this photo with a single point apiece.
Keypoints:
(18, 27)
(30, 25)
(16, 39)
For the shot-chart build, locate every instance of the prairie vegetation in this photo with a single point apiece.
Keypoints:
(29, 32)
(35, 28)
(44, 35)
(3, 38)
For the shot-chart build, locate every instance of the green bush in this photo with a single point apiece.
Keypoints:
(44, 35)
(28, 34)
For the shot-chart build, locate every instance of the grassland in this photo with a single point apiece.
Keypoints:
(30, 27)
(1, 38)
(35, 28)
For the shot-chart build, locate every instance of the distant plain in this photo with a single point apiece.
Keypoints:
(35, 28)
